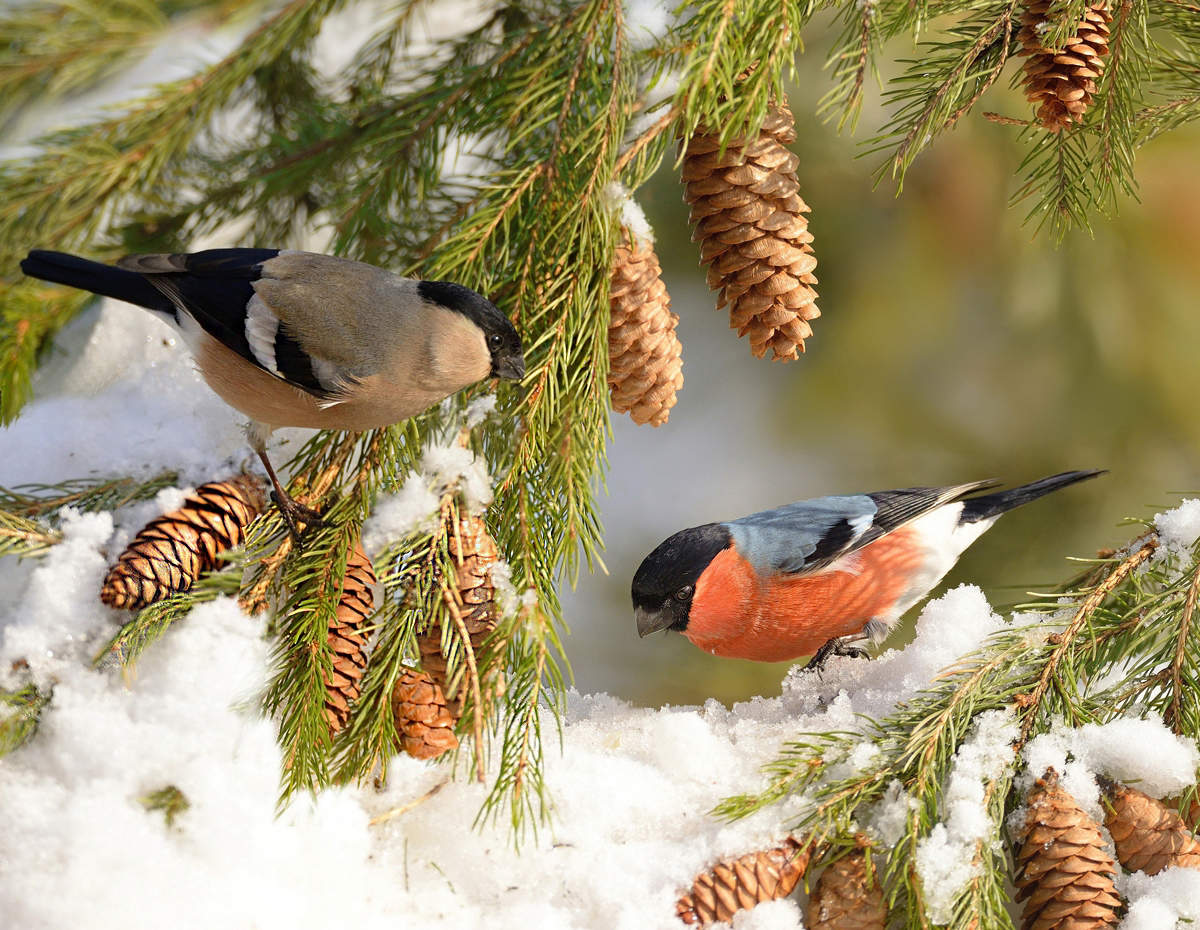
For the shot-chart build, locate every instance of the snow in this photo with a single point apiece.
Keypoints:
(631, 216)
(1168, 900)
(415, 507)
(946, 858)
(1178, 530)
(1142, 753)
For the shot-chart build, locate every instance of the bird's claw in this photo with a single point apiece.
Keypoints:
(294, 513)
(835, 647)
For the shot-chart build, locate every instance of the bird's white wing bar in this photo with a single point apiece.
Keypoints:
(262, 326)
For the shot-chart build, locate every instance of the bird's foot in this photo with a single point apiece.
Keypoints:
(835, 647)
(295, 513)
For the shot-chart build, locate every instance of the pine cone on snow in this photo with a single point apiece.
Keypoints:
(728, 887)
(1063, 874)
(424, 722)
(1148, 835)
(347, 641)
(645, 357)
(1062, 81)
(170, 552)
(473, 552)
(753, 232)
(846, 897)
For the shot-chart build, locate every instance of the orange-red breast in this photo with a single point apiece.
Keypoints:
(782, 583)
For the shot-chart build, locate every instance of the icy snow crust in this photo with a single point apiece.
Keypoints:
(630, 790)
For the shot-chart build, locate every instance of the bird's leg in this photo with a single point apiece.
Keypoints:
(838, 646)
(290, 509)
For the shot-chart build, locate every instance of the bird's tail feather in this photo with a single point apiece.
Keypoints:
(61, 268)
(992, 505)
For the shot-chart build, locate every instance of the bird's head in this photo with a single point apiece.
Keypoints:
(665, 582)
(500, 336)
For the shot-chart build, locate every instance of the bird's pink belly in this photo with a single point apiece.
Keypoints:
(795, 616)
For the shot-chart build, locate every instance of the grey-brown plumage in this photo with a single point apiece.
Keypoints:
(299, 339)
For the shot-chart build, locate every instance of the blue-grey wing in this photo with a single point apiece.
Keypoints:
(807, 536)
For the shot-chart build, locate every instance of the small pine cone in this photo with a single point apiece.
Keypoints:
(1062, 871)
(1149, 836)
(1062, 81)
(645, 357)
(753, 233)
(424, 722)
(170, 552)
(347, 641)
(728, 887)
(473, 552)
(847, 898)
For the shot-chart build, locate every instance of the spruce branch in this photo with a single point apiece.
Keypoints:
(944, 83)
(1131, 621)
(125, 648)
(86, 494)
(54, 48)
(20, 711)
(852, 56)
(23, 537)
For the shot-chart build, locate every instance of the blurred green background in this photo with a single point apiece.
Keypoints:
(954, 345)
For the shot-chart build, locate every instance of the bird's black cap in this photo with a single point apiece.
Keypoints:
(503, 342)
(665, 581)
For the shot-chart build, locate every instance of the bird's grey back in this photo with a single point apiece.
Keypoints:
(345, 311)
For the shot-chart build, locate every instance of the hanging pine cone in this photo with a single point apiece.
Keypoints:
(753, 233)
(1062, 871)
(1148, 835)
(170, 552)
(846, 897)
(347, 640)
(728, 887)
(1062, 81)
(473, 552)
(645, 357)
(424, 722)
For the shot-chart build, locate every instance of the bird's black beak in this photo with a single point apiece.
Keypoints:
(651, 621)
(510, 367)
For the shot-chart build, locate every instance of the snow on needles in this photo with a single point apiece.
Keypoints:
(946, 859)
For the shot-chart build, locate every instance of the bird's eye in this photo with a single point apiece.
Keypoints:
(495, 340)
(684, 593)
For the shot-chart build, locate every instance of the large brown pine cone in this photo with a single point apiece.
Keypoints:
(753, 232)
(846, 897)
(1062, 81)
(347, 640)
(424, 723)
(170, 552)
(728, 887)
(473, 553)
(1063, 874)
(1148, 835)
(645, 357)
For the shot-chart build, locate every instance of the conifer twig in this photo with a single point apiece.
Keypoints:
(1063, 640)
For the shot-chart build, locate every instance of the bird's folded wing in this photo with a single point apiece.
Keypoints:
(809, 536)
(216, 289)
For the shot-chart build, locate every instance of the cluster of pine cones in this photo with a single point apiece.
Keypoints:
(1064, 876)
(750, 221)
(752, 227)
(172, 551)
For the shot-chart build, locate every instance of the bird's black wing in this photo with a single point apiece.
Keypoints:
(215, 288)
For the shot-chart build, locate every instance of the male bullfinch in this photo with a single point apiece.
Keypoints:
(300, 339)
(805, 578)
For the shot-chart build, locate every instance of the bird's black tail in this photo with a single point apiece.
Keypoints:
(61, 268)
(992, 505)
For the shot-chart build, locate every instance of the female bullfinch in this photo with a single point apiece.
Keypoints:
(300, 339)
(799, 579)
